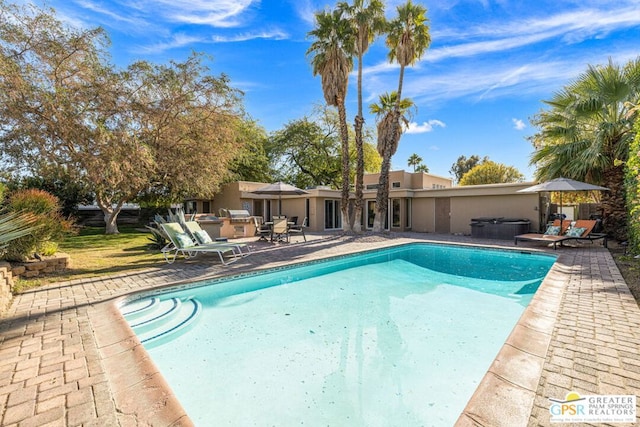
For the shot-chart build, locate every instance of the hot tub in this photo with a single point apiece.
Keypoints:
(498, 228)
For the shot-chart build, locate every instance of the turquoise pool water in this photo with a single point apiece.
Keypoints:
(394, 337)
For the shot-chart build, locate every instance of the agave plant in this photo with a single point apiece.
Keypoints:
(14, 225)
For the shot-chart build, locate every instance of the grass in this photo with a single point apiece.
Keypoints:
(95, 254)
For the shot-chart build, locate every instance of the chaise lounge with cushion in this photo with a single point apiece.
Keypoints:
(568, 230)
(181, 242)
(202, 238)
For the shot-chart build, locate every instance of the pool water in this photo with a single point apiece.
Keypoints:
(395, 337)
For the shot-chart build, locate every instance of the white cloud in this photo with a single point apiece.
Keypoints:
(272, 35)
(424, 127)
(176, 42)
(518, 124)
(216, 13)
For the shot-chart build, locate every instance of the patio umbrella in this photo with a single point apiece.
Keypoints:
(279, 189)
(561, 185)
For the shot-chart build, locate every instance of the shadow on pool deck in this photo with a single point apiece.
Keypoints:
(68, 358)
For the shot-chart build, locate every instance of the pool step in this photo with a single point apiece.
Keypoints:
(156, 322)
(140, 308)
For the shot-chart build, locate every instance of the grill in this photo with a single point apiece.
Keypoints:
(239, 216)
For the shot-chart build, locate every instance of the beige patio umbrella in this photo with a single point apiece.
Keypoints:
(279, 189)
(562, 185)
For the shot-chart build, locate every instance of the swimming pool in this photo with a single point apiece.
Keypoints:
(323, 344)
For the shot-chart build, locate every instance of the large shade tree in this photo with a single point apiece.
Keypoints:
(464, 165)
(166, 130)
(586, 131)
(407, 39)
(331, 58)
(490, 172)
(368, 21)
(307, 151)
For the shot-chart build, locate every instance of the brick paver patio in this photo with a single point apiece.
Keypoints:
(65, 360)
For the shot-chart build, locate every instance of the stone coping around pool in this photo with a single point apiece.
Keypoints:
(68, 358)
(140, 392)
(506, 394)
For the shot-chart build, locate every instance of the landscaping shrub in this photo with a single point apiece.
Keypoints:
(632, 184)
(51, 226)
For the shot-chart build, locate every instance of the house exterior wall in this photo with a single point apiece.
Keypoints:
(474, 201)
(422, 215)
(465, 203)
(520, 206)
(407, 180)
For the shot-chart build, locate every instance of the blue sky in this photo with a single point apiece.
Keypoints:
(490, 63)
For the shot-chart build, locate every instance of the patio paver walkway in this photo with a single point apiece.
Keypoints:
(59, 345)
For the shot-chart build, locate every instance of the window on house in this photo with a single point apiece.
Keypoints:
(371, 213)
(407, 213)
(395, 213)
(395, 185)
(332, 215)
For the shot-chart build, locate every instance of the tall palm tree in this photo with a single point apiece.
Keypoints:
(414, 160)
(331, 58)
(367, 19)
(388, 113)
(407, 38)
(586, 132)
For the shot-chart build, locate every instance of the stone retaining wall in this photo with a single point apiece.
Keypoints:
(31, 269)
(6, 282)
(35, 268)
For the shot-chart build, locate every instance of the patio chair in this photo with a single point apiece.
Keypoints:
(181, 242)
(202, 238)
(298, 229)
(280, 230)
(556, 233)
(262, 230)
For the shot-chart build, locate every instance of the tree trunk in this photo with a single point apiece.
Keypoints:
(613, 203)
(359, 201)
(359, 123)
(110, 213)
(111, 224)
(382, 195)
(344, 135)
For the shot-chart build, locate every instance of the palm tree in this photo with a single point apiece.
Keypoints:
(407, 38)
(388, 113)
(367, 19)
(414, 160)
(331, 58)
(586, 133)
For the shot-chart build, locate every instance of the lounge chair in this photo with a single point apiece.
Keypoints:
(181, 242)
(556, 233)
(202, 238)
(298, 229)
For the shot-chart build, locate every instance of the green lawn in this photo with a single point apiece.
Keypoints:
(95, 254)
